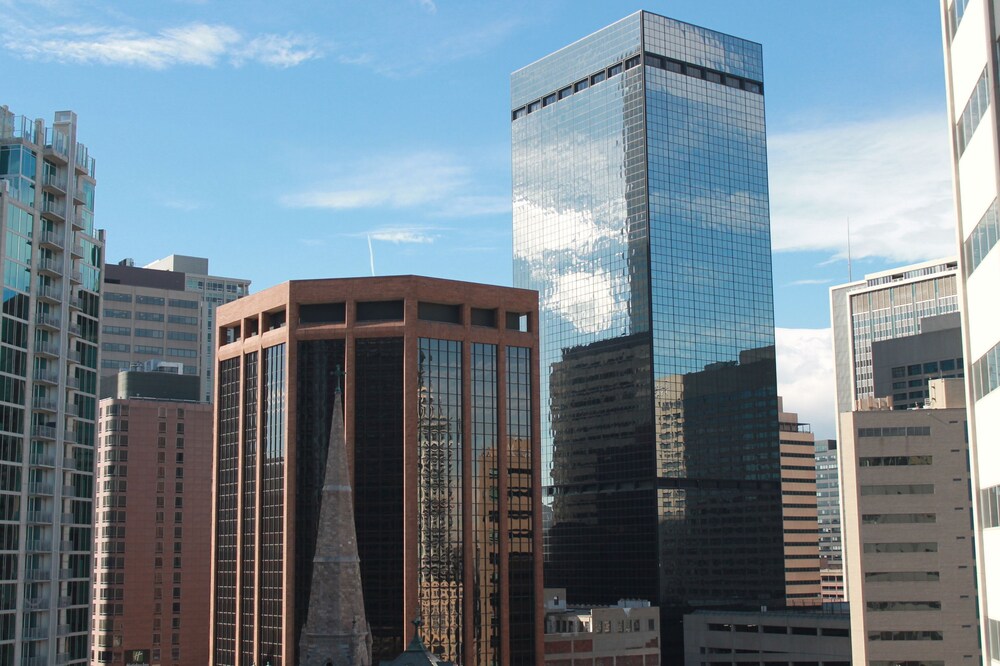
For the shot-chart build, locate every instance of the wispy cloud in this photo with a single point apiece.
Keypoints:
(438, 182)
(805, 376)
(428, 6)
(797, 283)
(399, 236)
(891, 177)
(194, 44)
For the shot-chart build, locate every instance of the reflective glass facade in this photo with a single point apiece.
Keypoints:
(641, 217)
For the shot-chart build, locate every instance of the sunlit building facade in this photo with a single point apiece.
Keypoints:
(971, 72)
(52, 263)
(641, 217)
(441, 421)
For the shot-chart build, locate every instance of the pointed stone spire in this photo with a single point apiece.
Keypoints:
(336, 631)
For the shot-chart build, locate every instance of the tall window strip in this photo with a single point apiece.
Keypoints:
(982, 239)
(226, 485)
(974, 111)
(248, 581)
(955, 13)
(439, 495)
(485, 512)
(986, 373)
(989, 508)
(521, 600)
(272, 512)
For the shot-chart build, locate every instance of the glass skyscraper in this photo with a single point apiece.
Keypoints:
(641, 217)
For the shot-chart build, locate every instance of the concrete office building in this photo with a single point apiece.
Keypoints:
(164, 312)
(970, 36)
(624, 634)
(656, 317)
(911, 570)
(152, 545)
(775, 638)
(441, 422)
(52, 263)
(214, 290)
(885, 305)
(828, 515)
(801, 526)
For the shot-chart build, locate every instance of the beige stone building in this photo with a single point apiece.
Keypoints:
(910, 564)
(798, 510)
(627, 634)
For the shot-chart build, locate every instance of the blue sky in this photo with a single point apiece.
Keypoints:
(276, 138)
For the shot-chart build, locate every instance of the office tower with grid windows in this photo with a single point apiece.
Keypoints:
(52, 263)
(641, 217)
(971, 32)
(439, 384)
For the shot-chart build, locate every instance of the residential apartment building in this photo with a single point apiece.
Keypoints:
(970, 34)
(441, 422)
(52, 263)
(910, 561)
(153, 522)
(659, 419)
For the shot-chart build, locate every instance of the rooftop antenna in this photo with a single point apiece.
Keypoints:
(850, 274)
(371, 254)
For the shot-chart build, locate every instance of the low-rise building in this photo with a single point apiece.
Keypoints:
(627, 634)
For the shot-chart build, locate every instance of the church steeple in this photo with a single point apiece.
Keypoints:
(336, 631)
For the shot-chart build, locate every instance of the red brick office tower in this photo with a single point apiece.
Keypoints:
(440, 391)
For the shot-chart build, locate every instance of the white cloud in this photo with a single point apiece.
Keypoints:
(891, 177)
(428, 6)
(436, 181)
(809, 281)
(805, 377)
(398, 236)
(586, 300)
(195, 44)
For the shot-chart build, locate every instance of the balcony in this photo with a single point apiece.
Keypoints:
(66, 545)
(51, 239)
(35, 633)
(77, 221)
(36, 574)
(65, 602)
(77, 250)
(73, 409)
(66, 574)
(49, 294)
(44, 405)
(46, 376)
(50, 267)
(54, 182)
(63, 658)
(79, 197)
(84, 163)
(68, 519)
(76, 303)
(39, 488)
(39, 460)
(54, 210)
(44, 517)
(56, 145)
(39, 546)
(76, 277)
(43, 432)
(34, 661)
(64, 630)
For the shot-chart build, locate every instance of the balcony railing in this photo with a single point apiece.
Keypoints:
(38, 488)
(43, 431)
(40, 517)
(56, 180)
(50, 376)
(38, 546)
(50, 266)
(52, 238)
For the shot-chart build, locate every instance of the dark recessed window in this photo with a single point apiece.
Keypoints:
(565, 92)
(534, 106)
(732, 82)
(549, 99)
(449, 314)
(672, 66)
(691, 70)
(518, 113)
(614, 70)
(517, 321)
(380, 311)
(273, 320)
(322, 313)
(750, 86)
(714, 77)
(484, 317)
(597, 78)
(632, 62)
(581, 85)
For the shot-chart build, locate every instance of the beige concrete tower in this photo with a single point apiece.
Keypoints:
(336, 632)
